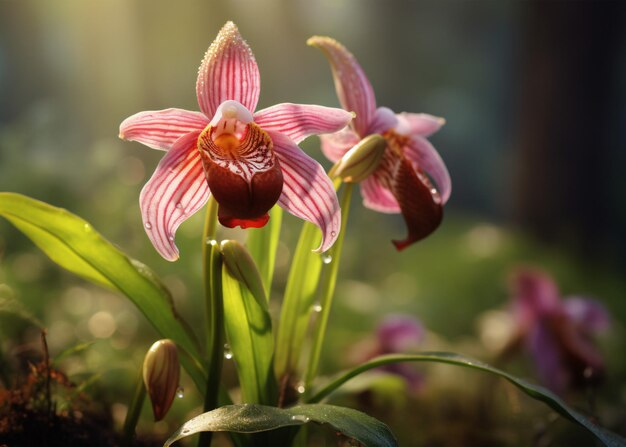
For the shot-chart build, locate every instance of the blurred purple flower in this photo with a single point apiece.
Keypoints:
(395, 334)
(402, 181)
(558, 332)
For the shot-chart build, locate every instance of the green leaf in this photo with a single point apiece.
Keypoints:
(249, 332)
(262, 244)
(298, 302)
(72, 243)
(257, 418)
(539, 393)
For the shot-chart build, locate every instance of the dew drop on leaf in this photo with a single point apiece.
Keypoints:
(180, 392)
(300, 418)
(327, 259)
(228, 354)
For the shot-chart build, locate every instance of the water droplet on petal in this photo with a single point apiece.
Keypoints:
(317, 307)
(180, 392)
(333, 233)
(148, 226)
(327, 259)
(179, 206)
(171, 238)
(228, 354)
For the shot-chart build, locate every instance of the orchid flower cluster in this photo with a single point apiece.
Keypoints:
(249, 161)
(246, 166)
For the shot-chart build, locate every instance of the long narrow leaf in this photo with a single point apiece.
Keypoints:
(257, 418)
(262, 244)
(72, 243)
(298, 301)
(249, 333)
(539, 393)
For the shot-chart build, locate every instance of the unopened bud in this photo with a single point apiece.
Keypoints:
(362, 160)
(242, 267)
(161, 372)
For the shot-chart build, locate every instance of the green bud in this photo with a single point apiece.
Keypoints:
(242, 267)
(362, 160)
(161, 373)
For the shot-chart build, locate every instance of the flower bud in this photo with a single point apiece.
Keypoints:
(360, 161)
(242, 267)
(161, 372)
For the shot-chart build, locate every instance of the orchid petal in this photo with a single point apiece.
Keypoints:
(547, 357)
(384, 120)
(177, 190)
(228, 71)
(425, 156)
(378, 198)
(307, 193)
(588, 313)
(421, 124)
(536, 294)
(335, 145)
(298, 121)
(159, 129)
(420, 205)
(353, 88)
(399, 333)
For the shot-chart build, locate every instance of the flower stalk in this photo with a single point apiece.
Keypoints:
(214, 312)
(327, 290)
(134, 410)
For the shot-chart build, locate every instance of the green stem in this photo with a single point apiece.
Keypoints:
(328, 289)
(133, 412)
(214, 312)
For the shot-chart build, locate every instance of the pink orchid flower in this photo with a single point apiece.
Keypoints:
(401, 182)
(248, 161)
(557, 332)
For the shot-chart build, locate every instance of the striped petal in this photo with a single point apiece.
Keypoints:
(176, 190)
(228, 71)
(425, 156)
(378, 198)
(335, 145)
(159, 129)
(307, 193)
(421, 124)
(353, 88)
(298, 121)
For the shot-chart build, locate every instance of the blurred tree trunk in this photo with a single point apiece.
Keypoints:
(567, 87)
